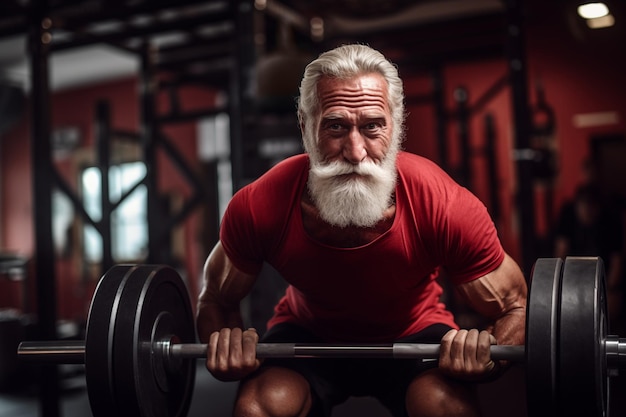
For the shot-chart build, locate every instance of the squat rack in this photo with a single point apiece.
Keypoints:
(217, 52)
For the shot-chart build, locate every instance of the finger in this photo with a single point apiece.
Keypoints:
(211, 361)
(446, 340)
(444, 347)
(457, 349)
(250, 339)
(485, 340)
(235, 348)
(223, 350)
(470, 349)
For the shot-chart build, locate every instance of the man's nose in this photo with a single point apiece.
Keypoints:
(354, 147)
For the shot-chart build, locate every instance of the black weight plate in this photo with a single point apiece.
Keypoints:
(583, 377)
(154, 307)
(99, 341)
(123, 348)
(542, 337)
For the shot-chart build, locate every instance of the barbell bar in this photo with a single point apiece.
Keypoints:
(74, 351)
(140, 337)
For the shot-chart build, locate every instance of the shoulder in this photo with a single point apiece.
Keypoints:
(416, 167)
(448, 214)
(259, 212)
(424, 177)
(407, 159)
(273, 194)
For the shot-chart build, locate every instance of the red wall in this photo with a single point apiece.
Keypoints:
(580, 74)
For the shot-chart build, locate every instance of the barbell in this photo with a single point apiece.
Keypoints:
(140, 339)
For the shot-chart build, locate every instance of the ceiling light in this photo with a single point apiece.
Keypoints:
(593, 10)
(601, 22)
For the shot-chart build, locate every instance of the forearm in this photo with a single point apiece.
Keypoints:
(212, 317)
(500, 296)
(219, 301)
(510, 329)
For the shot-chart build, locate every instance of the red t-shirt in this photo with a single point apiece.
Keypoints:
(377, 292)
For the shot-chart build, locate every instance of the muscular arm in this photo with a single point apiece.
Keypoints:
(501, 297)
(231, 352)
(223, 289)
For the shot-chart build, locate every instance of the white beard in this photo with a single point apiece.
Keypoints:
(358, 200)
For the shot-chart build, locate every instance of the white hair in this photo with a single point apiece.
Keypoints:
(346, 62)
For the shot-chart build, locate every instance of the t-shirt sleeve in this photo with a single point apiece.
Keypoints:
(238, 234)
(258, 214)
(472, 248)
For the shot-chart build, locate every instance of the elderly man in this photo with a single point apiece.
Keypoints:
(360, 230)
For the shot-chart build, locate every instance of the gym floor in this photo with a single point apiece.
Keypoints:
(213, 398)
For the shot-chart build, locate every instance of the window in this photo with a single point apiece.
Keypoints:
(129, 222)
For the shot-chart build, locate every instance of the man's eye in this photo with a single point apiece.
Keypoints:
(372, 126)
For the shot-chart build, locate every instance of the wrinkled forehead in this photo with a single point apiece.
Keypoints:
(368, 90)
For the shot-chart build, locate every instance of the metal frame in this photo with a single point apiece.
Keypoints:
(41, 154)
(525, 197)
(80, 23)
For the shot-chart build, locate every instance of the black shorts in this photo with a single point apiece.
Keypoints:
(333, 381)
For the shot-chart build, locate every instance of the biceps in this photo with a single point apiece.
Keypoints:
(500, 292)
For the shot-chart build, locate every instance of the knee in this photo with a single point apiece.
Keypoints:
(274, 392)
(434, 395)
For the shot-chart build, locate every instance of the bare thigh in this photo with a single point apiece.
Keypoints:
(274, 391)
(431, 394)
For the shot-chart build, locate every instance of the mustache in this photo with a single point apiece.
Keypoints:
(337, 168)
